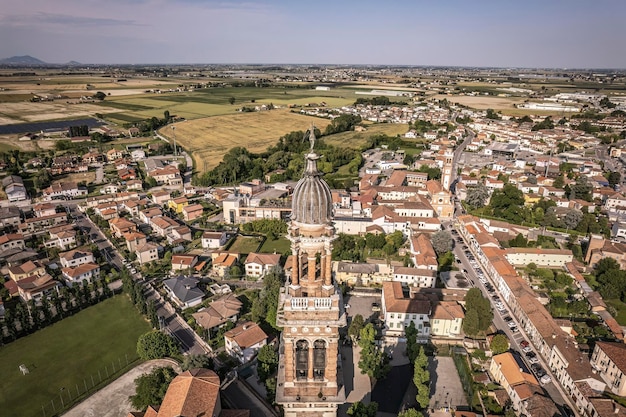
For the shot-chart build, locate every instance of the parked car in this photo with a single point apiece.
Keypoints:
(507, 319)
(545, 379)
(375, 307)
(512, 324)
(524, 343)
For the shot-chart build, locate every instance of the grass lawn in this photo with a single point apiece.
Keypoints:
(621, 310)
(66, 353)
(245, 244)
(280, 245)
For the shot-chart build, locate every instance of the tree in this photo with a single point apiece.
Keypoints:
(231, 100)
(374, 361)
(499, 344)
(268, 362)
(614, 178)
(99, 95)
(196, 361)
(156, 345)
(477, 196)
(410, 412)
(470, 323)
(357, 323)
(358, 409)
(421, 378)
(572, 218)
(441, 241)
(151, 388)
(412, 347)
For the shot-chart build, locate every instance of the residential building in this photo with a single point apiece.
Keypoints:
(34, 287)
(62, 237)
(259, 264)
(192, 212)
(184, 291)
(446, 320)
(520, 385)
(244, 341)
(10, 216)
(399, 310)
(222, 262)
(81, 273)
(214, 240)
(183, 262)
(543, 258)
(27, 269)
(64, 190)
(134, 240)
(219, 312)
(416, 277)
(14, 188)
(44, 209)
(147, 252)
(177, 204)
(609, 359)
(11, 241)
(75, 258)
(161, 197)
(120, 226)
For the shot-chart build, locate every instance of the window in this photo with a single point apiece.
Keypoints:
(302, 360)
(319, 360)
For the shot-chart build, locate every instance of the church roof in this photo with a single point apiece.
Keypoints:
(312, 199)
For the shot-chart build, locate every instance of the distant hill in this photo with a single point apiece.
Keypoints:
(22, 60)
(73, 63)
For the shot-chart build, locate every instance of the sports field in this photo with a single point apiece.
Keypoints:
(208, 139)
(63, 357)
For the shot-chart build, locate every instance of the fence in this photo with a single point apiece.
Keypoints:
(71, 395)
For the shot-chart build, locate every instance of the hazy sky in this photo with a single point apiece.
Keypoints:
(524, 33)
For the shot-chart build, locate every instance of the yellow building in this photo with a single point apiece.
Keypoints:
(177, 204)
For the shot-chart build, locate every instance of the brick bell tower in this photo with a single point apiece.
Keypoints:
(310, 309)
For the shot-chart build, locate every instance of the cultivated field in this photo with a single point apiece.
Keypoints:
(208, 139)
(67, 354)
(357, 139)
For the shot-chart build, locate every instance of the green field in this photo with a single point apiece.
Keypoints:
(245, 244)
(280, 245)
(66, 355)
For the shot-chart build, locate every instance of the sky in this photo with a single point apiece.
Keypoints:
(476, 33)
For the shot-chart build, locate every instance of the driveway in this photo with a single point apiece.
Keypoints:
(112, 400)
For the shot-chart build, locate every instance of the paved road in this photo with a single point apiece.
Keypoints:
(112, 400)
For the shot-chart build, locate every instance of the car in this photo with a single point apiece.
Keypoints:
(346, 306)
(527, 349)
(508, 319)
(524, 343)
(133, 271)
(530, 354)
(535, 367)
(539, 372)
(514, 329)
(545, 379)
(375, 307)
(512, 324)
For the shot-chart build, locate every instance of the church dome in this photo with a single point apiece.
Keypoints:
(312, 200)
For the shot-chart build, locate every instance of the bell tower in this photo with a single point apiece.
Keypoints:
(310, 308)
(446, 175)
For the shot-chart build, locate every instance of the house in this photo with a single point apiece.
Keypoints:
(244, 341)
(399, 310)
(168, 175)
(422, 252)
(192, 212)
(27, 269)
(184, 291)
(62, 237)
(415, 277)
(147, 252)
(163, 225)
(120, 226)
(134, 240)
(34, 287)
(10, 216)
(114, 154)
(180, 234)
(177, 204)
(44, 209)
(148, 214)
(75, 258)
(355, 273)
(446, 320)
(134, 185)
(183, 262)
(82, 273)
(505, 370)
(11, 241)
(161, 197)
(14, 188)
(214, 240)
(219, 312)
(36, 224)
(222, 262)
(259, 264)
(609, 359)
(64, 190)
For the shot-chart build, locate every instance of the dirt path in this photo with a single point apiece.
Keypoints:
(112, 400)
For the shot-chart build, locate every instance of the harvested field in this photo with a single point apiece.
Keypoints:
(208, 139)
(87, 177)
(483, 102)
(53, 110)
(357, 139)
